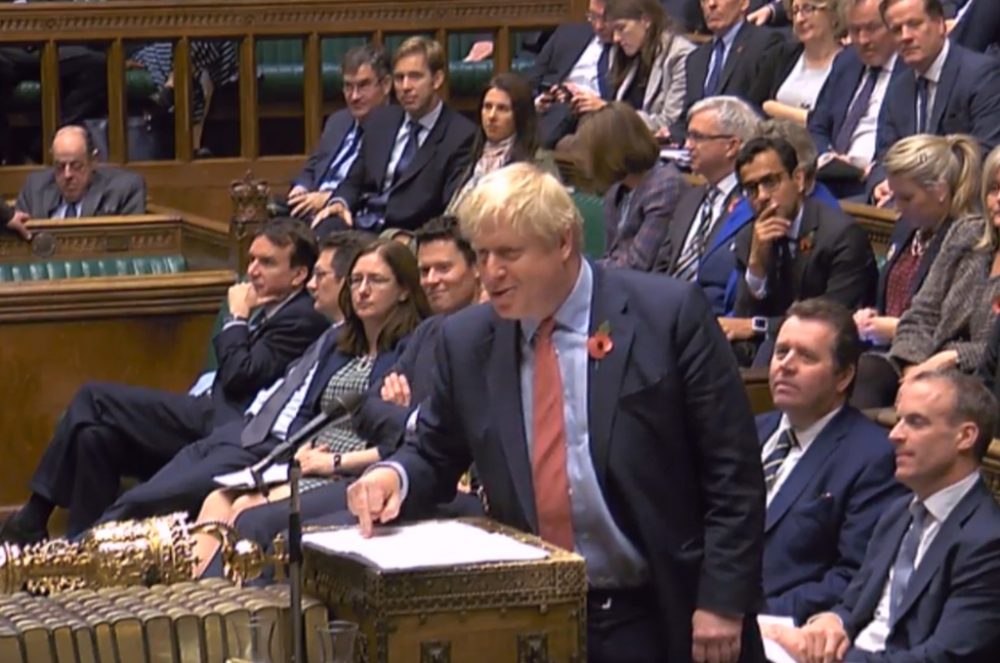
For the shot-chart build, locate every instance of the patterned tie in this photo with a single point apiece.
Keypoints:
(922, 92)
(331, 180)
(258, 428)
(842, 143)
(687, 265)
(603, 84)
(548, 450)
(715, 76)
(72, 211)
(774, 460)
(906, 560)
(409, 150)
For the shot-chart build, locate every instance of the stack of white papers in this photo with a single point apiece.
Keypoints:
(773, 651)
(424, 545)
(242, 478)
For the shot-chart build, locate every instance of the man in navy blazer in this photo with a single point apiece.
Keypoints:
(977, 26)
(854, 92)
(962, 86)
(632, 444)
(367, 83)
(929, 588)
(413, 156)
(110, 431)
(828, 469)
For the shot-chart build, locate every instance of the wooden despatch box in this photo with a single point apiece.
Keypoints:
(505, 612)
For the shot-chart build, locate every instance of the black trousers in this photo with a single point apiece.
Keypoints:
(624, 626)
(110, 431)
(184, 482)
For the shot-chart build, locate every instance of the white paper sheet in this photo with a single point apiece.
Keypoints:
(774, 652)
(241, 479)
(425, 545)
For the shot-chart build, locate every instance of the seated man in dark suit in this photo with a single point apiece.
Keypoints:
(845, 119)
(77, 186)
(112, 430)
(367, 83)
(796, 247)
(977, 26)
(949, 90)
(828, 469)
(732, 63)
(570, 75)
(604, 450)
(929, 587)
(414, 154)
(706, 220)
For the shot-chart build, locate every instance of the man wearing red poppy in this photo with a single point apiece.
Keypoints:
(796, 248)
(604, 413)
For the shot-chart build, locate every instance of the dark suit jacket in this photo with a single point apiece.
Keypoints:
(334, 131)
(833, 258)
(671, 440)
(967, 101)
(428, 183)
(821, 519)
(252, 360)
(902, 233)
(951, 609)
(745, 73)
(979, 28)
(112, 192)
(988, 371)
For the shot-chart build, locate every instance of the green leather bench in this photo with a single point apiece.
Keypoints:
(87, 267)
(591, 208)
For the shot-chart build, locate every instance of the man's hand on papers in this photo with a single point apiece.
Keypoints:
(375, 498)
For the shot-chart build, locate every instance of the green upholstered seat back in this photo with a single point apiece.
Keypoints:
(49, 270)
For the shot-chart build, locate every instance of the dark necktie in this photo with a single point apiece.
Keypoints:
(922, 92)
(409, 150)
(72, 211)
(350, 147)
(715, 76)
(259, 427)
(842, 143)
(906, 560)
(548, 446)
(775, 459)
(687, 264)
(603, 84)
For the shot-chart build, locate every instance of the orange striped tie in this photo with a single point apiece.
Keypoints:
(548, 457)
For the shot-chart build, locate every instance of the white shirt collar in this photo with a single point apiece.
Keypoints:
(933, 73)
(808, 435)
(430, 119)
(943, 502)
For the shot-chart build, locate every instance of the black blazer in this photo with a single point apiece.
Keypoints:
(744, 73)
(833, 258)
(249, 361)
(902, 233)
(781, 61)
(979, 28)
(428, 183)
(334, 131)
(112, 192)
(672, 442)
(559, 55)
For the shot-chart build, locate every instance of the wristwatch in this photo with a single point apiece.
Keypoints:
(235, 318)
(337, 458)
(758, 324)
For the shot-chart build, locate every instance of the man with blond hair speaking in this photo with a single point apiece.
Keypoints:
(604, 412)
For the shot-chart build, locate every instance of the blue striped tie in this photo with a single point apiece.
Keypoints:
(906, 560)
(772, 464)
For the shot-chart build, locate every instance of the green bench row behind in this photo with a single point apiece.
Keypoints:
(50, 270)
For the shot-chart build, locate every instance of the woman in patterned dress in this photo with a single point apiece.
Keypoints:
(382, 303)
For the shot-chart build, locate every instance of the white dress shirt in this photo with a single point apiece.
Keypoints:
(862, 149)
(933, 75)
(584, 72)
(802, 85)
(939, 506)
(805, 437)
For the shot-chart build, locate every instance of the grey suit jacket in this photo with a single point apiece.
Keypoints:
(663, 101)
(953, 308)
(112, 192)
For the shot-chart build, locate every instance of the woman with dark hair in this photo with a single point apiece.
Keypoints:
(383, 303)
(649, 70)
(508, 131)
(641, 192)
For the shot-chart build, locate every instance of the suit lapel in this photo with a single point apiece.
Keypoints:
(380, 143)
(885, 555)
(698, 71)
(807, 467)
(684, 216)
(335, 146)
(945, 85)
(503, 368)
(583, 38)
(735, 54)
(810, 223)
(928, 258)
(426, 151)
(932, 559)
(604, 376)
(92, 199)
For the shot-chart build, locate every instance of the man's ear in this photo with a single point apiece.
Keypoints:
(437, 78)
(300, 277)
(799, 176)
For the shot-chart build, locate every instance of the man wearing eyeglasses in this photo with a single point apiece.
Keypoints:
(367, 82)
(796, 248)
(76, 186)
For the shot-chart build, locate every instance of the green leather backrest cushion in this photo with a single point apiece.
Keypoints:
(48, 270)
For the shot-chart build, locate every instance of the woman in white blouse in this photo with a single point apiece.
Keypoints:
(801, 67)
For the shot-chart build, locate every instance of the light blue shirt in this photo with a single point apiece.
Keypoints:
(612, 561)
(341, 164)
(403, 135)
(727, 45)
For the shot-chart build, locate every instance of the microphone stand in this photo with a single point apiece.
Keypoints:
(295, 560)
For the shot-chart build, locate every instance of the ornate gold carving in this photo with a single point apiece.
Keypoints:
(435, 651)
(43, 245)
(532, 648)
(249, 198)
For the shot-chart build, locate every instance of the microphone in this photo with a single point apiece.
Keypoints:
(340, 409)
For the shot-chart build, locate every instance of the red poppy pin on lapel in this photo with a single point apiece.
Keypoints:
(996, 305)
(600, 344)
(806, 243)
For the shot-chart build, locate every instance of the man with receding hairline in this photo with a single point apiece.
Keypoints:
(76, 186)
(603, 412)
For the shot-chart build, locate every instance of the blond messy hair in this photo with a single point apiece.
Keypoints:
(524, 198)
